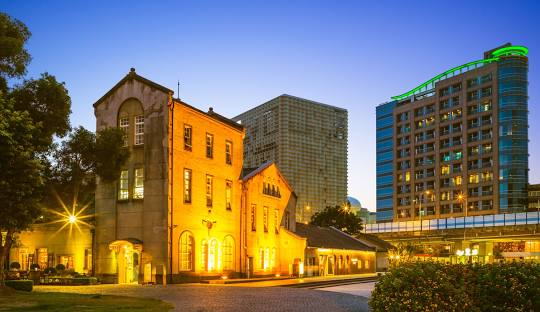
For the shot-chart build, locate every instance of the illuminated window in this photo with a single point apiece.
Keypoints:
(204, 258)
(228, 153)
(43, 258)
(265, 218)
(261, 258)
(187, 185)
(213, 255)
(487, 176)
(123, 189)
(186, 251)
(228, 195)
(209, 190)
(228, 254)
(138, 189)
(407, 176)
(139, 130)
(266, 258)
(124, 126)
(253, 217)
(23, 258)
(457, 180)
(188, 131)
(88, 259)
(445, 169)
(273, 258)
(276, 220)
(209, 145)
(474, 178)
(67, 261)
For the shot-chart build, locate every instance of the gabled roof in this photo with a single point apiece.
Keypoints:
(374, 241)
(248, 173)
(132, 75)
(329, 237)
(213, 115)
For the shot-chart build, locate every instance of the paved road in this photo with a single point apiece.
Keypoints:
(360, 289)
(202, 298)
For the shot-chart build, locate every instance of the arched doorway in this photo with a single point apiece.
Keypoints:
(210, 252)
(127, 252)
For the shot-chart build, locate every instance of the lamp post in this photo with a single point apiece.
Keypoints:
(463, 199)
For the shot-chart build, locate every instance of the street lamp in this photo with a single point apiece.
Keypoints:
(463, 199)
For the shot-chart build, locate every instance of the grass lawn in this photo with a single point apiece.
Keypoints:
(39, 301)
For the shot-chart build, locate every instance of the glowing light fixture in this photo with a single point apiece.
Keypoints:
(72, 219)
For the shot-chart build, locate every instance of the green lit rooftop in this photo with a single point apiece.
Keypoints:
(494, 56)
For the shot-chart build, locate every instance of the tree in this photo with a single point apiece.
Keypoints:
(78, 160)
(13, 56)
(20, 176)
(339, 217)
(31, 114)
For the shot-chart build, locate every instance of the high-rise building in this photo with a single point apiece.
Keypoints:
(456, 145)
(308, 142)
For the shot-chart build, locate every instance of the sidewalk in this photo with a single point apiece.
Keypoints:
(284, 281)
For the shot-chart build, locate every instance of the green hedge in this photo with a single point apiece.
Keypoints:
(428, 286)
(84, 281)
(26, 285)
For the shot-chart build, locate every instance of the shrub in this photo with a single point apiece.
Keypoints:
(60, 267)
(84, 281)
(50, 271)
(15, 266)
(34, 267)
(25, 285)
(427, 286)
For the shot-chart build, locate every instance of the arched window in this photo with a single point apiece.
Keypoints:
(186, 254)
(131, 121)
(228, 254)
(213, 250)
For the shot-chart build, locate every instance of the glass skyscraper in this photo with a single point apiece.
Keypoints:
(456, 145)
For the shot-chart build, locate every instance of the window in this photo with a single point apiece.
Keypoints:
(123, 189)
(209, 145)
(124, 126)
(67, 261)
(187, 137)
(43, 258)
(228, 254)
(186, 251)
(407, 176)
(228, 195)
(139, 130)
(287, 216)
(253, 217)
(88, 259)
(273, 258)
(265, 218)
(228, 153)
(138, 189)
(445, 169)
(276, 220)
(209, 190)
(187, 186)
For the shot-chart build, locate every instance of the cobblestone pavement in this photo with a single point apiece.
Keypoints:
(202, 298)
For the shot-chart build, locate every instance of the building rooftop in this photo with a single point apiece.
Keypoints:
(330, 237)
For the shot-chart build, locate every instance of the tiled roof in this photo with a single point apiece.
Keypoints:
(374, 241)
(329, 237)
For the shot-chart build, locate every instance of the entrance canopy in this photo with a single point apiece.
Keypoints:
(131, 243)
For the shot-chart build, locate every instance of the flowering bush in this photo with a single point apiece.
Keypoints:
(428, 286)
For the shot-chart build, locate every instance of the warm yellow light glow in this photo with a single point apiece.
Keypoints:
(460, 252)
(278, 275)
(72, 219)
(323, 250)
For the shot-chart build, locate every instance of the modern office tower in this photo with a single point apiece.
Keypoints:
(456, 145)
(308, 142)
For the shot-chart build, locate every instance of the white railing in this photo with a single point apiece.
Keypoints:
(507, 219)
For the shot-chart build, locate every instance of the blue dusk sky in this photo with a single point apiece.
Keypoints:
(236, 55)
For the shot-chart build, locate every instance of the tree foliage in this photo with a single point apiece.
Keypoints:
(110, 155)
(49, 105)
(339, 217)
(13, 56)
